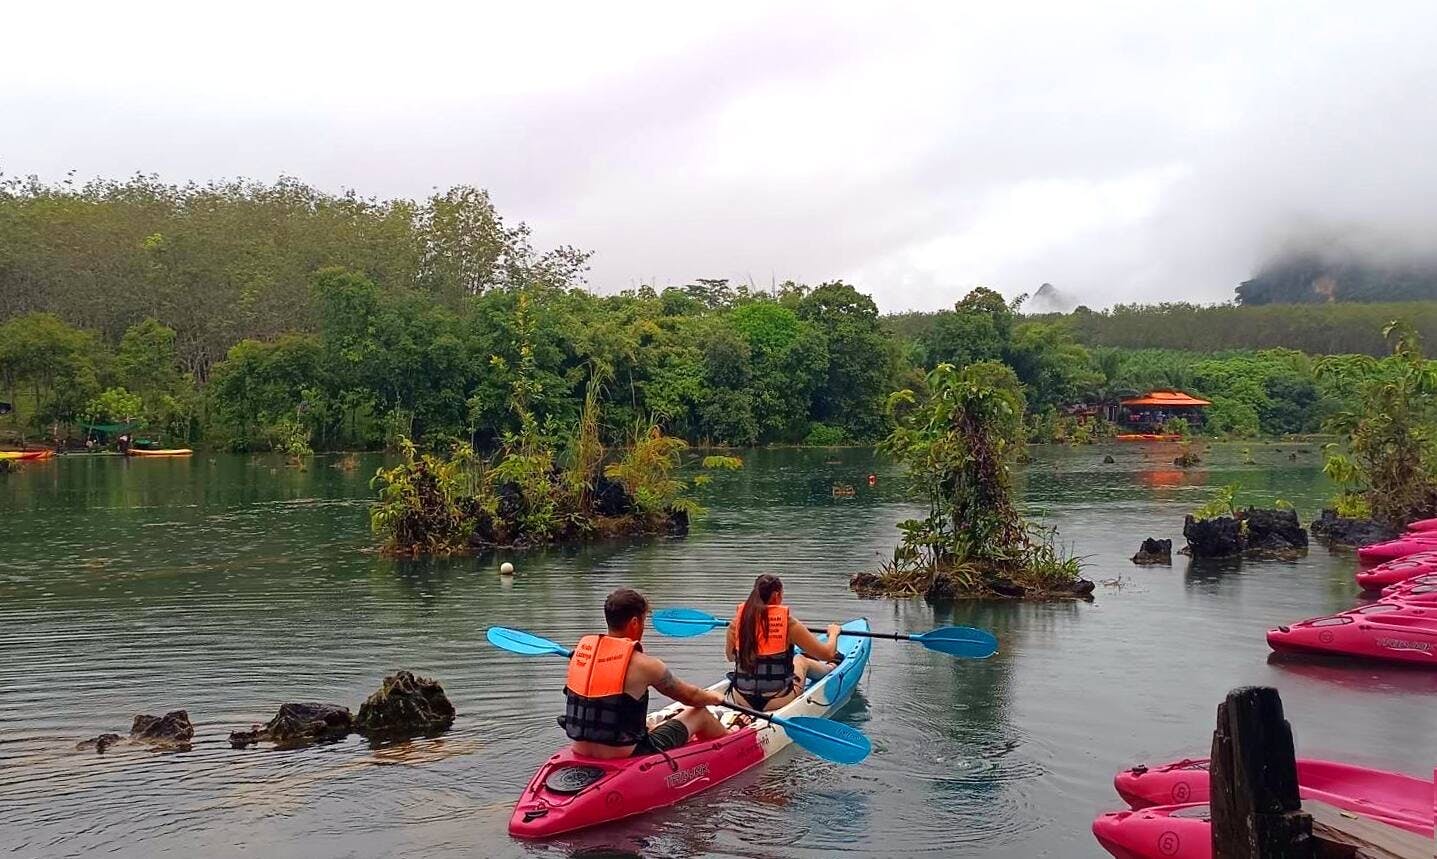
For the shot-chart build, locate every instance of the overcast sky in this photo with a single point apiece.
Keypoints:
(1124, 152)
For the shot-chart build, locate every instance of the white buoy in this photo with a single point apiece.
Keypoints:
(506, 569)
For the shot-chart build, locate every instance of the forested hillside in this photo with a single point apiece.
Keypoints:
(1321, 278)
(250, 316)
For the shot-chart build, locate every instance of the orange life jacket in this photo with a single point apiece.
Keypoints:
(596, 708)
(771, 674)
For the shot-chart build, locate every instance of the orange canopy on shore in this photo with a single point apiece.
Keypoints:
(1165, 398)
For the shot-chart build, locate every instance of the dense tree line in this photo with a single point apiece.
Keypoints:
(257, 316)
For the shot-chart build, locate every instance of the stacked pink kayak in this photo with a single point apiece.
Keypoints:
(1403, 800)
(1406, 636)
(1418, 594)
(1422, 525)
(1408, 544)
(1184, 830)
(1398, 571)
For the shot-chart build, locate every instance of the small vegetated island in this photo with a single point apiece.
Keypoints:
(958, 439)
(547, 483)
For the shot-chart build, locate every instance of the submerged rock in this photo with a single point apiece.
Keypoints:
(99, 744)
(1108, 459)
(1187, 459)
(299, 724)
(1154, 552)
(866, 584)
(1345, 531)
(405, 706)
(1213, 538)
(678, 522)
(1273, 533)
(172, 730)
(1083, 588)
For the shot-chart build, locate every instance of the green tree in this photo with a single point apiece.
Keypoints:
(860, 359)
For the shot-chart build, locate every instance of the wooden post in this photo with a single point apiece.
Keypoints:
(1256, 812)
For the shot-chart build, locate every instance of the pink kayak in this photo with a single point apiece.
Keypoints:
(1417, 582)
(1422, 525)
(1391, 550)
(1402, 800)
(572, 792)
(1393, 637)
(1422, 594)
(1162, 832)
(1398, 571)
(1172, 832)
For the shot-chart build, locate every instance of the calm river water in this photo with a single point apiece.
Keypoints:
(225, 585)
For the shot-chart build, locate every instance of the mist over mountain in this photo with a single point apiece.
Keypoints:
(1316, 277)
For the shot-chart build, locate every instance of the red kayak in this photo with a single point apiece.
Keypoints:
(1410, 584)
(1398, 571)
(1402, 636)
(1402, 800)
(1391, 550)
(1422, 525)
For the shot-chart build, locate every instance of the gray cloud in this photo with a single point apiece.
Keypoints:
(1122, 153)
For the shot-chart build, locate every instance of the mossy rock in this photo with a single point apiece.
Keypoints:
(405, 706)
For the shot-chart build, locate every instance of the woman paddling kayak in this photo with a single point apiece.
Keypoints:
(767, 673)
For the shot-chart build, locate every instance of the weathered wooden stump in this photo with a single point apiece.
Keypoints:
(1256, 811)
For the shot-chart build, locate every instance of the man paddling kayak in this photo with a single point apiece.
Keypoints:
(767, 674)
(607, 690)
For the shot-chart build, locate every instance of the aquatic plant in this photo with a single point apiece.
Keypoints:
(1390, 461)
(647, 469)
(1223, 503)
(426, 502)
(958, 443)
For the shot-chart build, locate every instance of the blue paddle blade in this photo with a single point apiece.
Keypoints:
(827, 739)
(518, 641)
(965, 641)
(684, 622)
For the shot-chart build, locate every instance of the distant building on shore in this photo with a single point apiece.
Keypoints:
(1149, 412)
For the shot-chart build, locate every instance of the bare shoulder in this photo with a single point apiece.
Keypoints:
(649, 668)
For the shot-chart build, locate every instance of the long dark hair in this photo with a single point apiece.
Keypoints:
(755, 610)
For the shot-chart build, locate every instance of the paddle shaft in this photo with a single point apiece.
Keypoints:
(784, 723)
(852, 633)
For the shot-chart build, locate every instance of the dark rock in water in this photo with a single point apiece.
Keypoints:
(944, 588)
(1292, 456)
(866, 584)
(1108, 459)
(1006, 587)
(1187, 459)
(1344, 531)
(678, 523)
(405, 706)
(1273, 533)
(1154, 552)
(298, 724)
(1083, 588)
(171, 729)
(1213, 538)
(99, 744)
(611, 498)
